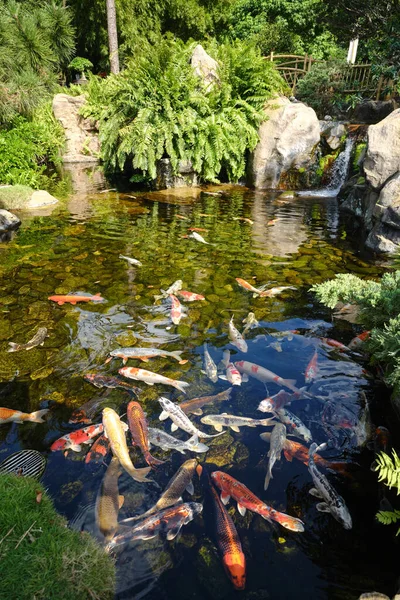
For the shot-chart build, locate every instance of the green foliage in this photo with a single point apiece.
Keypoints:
(80, 64)
(389, 472)
(359, 149)
(55, 561)
(157, 107)
(35, 42)
(29, 148)
(321, 86)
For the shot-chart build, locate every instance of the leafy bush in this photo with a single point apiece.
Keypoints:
(389, 472)
(29, 148)
(35, 42)
(40, 557)
(379, 304)
(320, 87)
(157, 107)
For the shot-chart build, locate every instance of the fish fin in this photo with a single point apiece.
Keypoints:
(174, 427)
(13, 347)
(241, 509)
(290, 381)
(267, 479)
(190, 488)
(234, 428)
(218, 428)
(245, 377)
(204, 372)
(60, 302)
(149, 383)
(143, 358)
(177, 355)
(37, 417)
(266, 436)
(75, 447)
(323, 507)
(125, 427)
(105, 434)
(197, 412)
(225, 498)
(172, 533)
(287, 455)
(314, 492)
(124, 360)
(255, 295)
(149, 535)
(164, 415)
(121, 500)
(140, 474)
(181, 385)
(224, 377)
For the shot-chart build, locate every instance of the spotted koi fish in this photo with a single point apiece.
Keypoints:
(176, 310)
(98, 451)
(312, 368)
(75, 439)
(189, 296)
(246, 500)
(265, 375)
(139, 432)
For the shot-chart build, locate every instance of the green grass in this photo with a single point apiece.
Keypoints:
(41, 559)
(15, 196)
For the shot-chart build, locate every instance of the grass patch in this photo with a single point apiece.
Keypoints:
(41, 559)
(15, 196)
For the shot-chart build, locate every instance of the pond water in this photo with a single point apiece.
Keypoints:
(296, 243)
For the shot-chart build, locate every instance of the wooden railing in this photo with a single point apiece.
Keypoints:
(357, 78)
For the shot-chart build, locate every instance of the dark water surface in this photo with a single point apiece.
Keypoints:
(296, 242)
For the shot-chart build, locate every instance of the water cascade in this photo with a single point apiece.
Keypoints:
(338, 176)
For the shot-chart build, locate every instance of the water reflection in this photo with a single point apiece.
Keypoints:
(297, 244)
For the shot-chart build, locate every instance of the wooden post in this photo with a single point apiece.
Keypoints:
(378, 91)
(112, 36)
(271, 56)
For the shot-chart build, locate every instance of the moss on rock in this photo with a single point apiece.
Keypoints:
(40, 557)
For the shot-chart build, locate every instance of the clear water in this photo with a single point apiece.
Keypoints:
(297, 243)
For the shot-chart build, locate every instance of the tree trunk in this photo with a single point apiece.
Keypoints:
(112, 36)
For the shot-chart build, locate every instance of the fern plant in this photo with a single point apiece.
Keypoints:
(389, 472)
(158, 108)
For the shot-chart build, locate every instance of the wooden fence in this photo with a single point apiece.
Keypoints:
(358, 79)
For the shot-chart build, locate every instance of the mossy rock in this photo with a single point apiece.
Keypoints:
(13, 195)
(41, 558)
(127, 339)
(210, 571)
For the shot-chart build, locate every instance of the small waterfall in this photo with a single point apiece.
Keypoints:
(338, 176)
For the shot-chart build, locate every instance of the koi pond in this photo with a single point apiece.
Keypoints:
(264, 239)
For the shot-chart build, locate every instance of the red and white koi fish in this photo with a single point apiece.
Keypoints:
(265, 375)
(73, 299)
(246, 500)
(151, 378)
(294, 425)
(98, 451)
(277, 401)
(9, 415)
(247, 286)
(190, 296)
(358, 341)
(312, 368)
(236, 337)
(176, 310)
(334, 344)
(75, 439)
(233, 375)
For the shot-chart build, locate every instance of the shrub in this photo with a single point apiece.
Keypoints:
(320, 87)
(40, 557)
(157, 108)
(29, 147)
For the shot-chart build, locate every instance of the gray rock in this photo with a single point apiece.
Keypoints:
(205, 67)
(333, 132)
(8, 221)
(361, 202)
(287, 141)
(387, 208)
(371, 111)
(383, 239)
(383, 151)
(82, 142)
(166, 178)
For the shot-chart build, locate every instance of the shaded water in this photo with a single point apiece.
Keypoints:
(297, 243)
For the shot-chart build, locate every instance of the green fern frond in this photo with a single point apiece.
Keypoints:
(389, 470)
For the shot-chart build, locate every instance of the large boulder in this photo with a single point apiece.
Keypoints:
(21, 197)
(8, 221)
(167, 178)
(372, 111)
(387, 209)
(287, 141)
(383, 151)
(205, 66)
(82, 142)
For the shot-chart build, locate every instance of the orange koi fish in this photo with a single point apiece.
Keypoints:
(190, 296)
(139, 432)
(247, 500)
(312, 368)
(73, 299)
(197, 229)
(98, 451)
(176, 310)
(358, 341)
(247, 286)
(73, 440)
(335, 344)
(9, 415)
(228, 540)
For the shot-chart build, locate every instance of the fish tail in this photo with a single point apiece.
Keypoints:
(267, 479)
(149, 512)
(140, 474)
(37, 417)
(266, 422)
(13, 347)
(177, 354)
(152, 461)
(180, 385)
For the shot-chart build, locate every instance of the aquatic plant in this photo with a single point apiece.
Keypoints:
(41, 558)
(157, 107)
